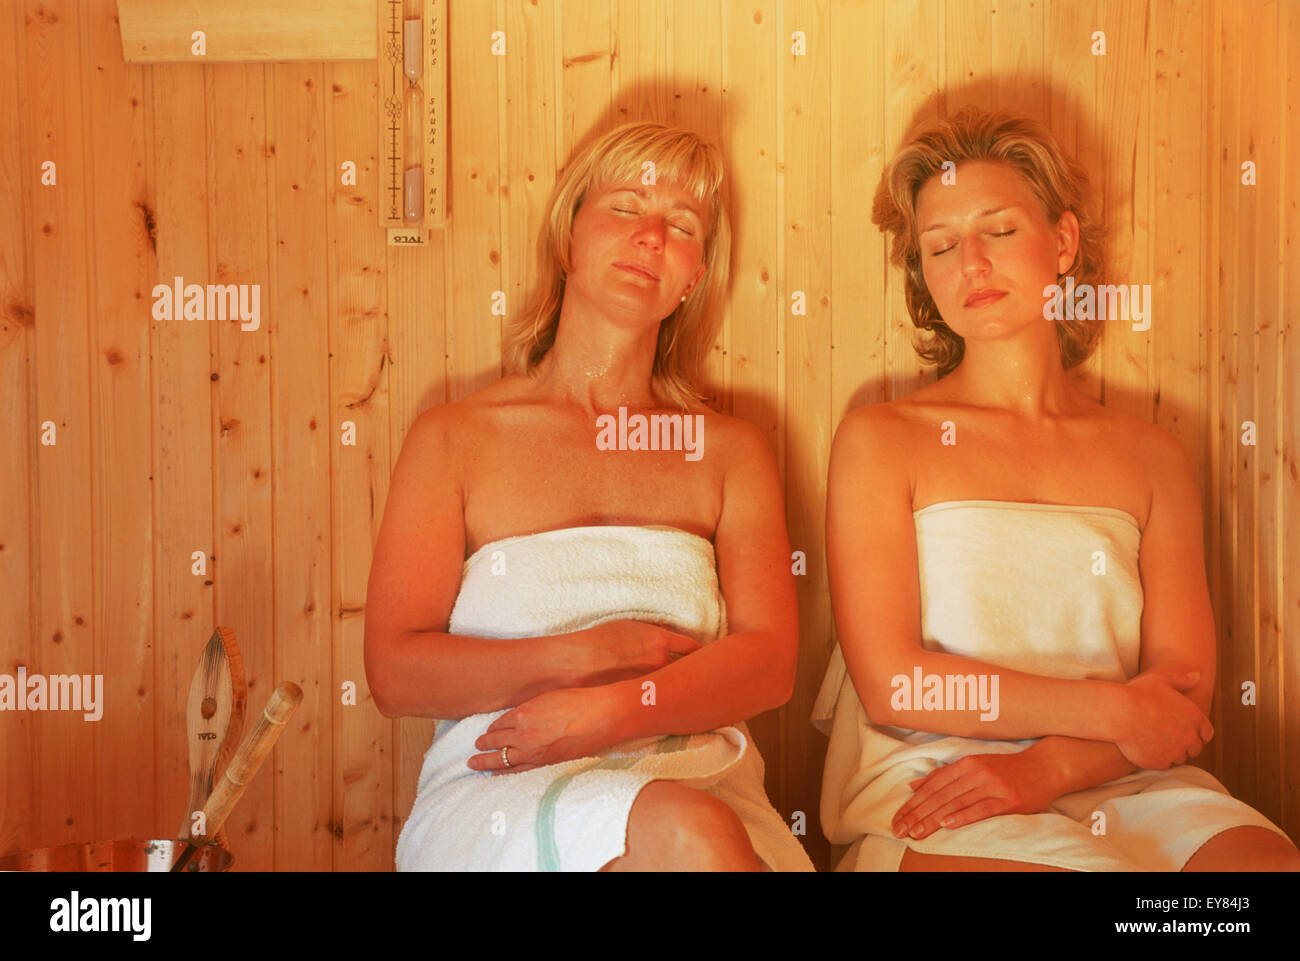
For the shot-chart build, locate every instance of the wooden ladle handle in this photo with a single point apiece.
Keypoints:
(252, 752)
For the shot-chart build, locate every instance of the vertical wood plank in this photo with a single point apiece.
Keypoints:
(245, 562)
(1217, 467)
(1242, 744)
(1179, 216)
(808, 256)
(364, 821)
(1071, 106)
(1289, 358)
(695, 86)
(913, 62)
(695, 49)
(1237, 653)
(642, 64)
(122, 488)
(1269, 384)
(859, 260)
(752, 47)
(185, 379)
(588, 63)
(302, 449)
(473, 332)
(751, 53)
(67, 802)
(1125, 135)
(17, 421)
(967, 52)
(528, 144)
(1018, 55)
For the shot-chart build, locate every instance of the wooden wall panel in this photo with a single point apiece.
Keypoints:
(584, 85)
(185, 384)
(1179, 378)
(1218, 389)
(1177, 241)
(911, 92)
(17, 381)
(695, 86)
(122, 491)
(1236, 621)
(1284, 558)
(475, 83)
(363, 757)
(67, 804)
(301, 457)
(1123, 85)
(1019, 51)
(1269, 385)
(237, 168)
(756, 310)
(1071, 78)
(244, 561)
(362, 761)
(806, 226)
(965, 53)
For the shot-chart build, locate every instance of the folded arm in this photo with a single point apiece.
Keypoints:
(752, 669)
(413, 666)
(1177, 619)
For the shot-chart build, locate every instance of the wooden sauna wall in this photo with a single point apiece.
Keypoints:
(184, 436)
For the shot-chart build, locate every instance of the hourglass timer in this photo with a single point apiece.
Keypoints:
(413, 175)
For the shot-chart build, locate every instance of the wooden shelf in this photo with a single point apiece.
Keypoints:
(161, 31)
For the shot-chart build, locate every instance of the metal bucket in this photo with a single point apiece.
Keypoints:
(121, 855)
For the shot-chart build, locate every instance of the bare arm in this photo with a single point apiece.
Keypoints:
(413, 666)
(875, 593)
(752, 669)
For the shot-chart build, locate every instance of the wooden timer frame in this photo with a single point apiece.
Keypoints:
(164, 31)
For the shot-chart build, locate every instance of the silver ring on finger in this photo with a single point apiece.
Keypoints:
(505, 760)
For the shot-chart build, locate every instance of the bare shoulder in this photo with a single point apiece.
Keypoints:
(1168, 475)
(1160, 452)
(457, 419)
(734, 440)
(886, 428)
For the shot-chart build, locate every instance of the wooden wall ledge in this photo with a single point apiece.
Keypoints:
(161, 31)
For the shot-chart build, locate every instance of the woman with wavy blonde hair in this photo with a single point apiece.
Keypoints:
(583, 572)
(1026, 647)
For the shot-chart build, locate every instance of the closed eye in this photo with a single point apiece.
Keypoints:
(1005, 233)
(682, 227)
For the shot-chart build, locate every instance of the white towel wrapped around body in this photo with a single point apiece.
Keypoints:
(572, 816)
(1044, 589)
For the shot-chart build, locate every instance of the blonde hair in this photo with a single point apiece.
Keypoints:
(1057, 182)
(687, 334)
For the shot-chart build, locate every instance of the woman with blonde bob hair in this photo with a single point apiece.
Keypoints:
(1026, 647)
(583, 572)
(686, 335)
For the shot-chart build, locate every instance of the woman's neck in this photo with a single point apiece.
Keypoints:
(1017, 376)
(599, 365)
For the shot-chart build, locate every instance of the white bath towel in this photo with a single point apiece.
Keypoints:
(572, 816)
(1045, 589)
